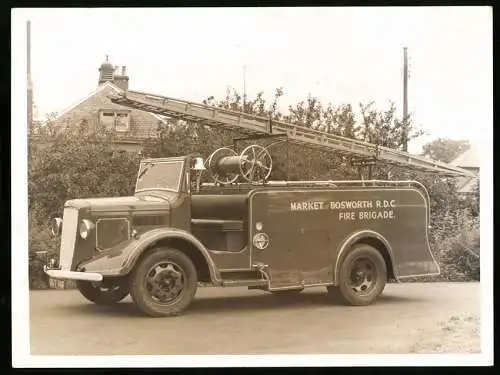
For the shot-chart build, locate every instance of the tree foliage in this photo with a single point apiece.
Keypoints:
(445, 150)
(294, 162)
(75, 164)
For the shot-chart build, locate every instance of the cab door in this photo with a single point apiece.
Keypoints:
(293, 247)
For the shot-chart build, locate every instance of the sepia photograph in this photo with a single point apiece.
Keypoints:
(226, 187)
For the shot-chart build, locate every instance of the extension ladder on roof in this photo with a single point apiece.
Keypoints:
(253, 125)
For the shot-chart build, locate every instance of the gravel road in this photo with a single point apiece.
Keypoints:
(408, 318)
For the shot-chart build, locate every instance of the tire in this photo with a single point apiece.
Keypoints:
(105, 293)
(163, 282)
(362, 277)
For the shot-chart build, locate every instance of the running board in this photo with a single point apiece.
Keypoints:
(249, 283)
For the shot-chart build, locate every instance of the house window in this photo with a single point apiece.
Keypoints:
(107, 119)
(122, 121)
(117, 120)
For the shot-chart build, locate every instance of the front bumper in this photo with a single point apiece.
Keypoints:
(72, 275)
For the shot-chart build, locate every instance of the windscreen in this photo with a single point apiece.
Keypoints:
(165, 175)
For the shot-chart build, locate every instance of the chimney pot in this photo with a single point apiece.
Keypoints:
(124, 68)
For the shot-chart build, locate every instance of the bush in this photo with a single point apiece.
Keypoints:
(456, 241)
(75, 165)
(39, 240)
(454, 234)
(39, 236)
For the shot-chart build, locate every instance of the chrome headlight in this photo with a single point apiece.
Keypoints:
(56, 226)
(85, 227)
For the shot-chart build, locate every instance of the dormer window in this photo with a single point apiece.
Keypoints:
(118, 120)
(122, 121)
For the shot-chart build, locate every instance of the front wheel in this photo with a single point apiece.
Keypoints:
(362, 277)
(164, 282)
(106, 293)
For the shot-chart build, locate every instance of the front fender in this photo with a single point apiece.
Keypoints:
(121, 260)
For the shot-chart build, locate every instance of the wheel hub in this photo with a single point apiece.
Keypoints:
(363, 275)
(165, 282)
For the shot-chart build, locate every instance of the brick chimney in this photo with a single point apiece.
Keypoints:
(110, 73)
(121, 80)
(106, 72)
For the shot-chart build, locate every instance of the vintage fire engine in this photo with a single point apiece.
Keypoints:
(241, 229)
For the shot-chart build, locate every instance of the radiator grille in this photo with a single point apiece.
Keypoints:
(68, 237)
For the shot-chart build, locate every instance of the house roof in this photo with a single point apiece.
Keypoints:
(469, 159)
(467, 185)
(99, 89)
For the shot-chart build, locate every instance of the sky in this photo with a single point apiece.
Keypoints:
(340, 55)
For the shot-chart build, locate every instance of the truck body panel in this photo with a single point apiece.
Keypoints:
(307, 230)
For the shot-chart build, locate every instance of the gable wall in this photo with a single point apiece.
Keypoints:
(142, 124)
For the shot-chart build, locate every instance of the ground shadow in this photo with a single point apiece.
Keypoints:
(391, 298)
(273, 302)
(236, 304)
(122, 309)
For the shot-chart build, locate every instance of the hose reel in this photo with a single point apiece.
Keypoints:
(254, 164)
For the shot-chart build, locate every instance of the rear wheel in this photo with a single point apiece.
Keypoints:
(362, 277)
(164, 282)
(107, 292)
